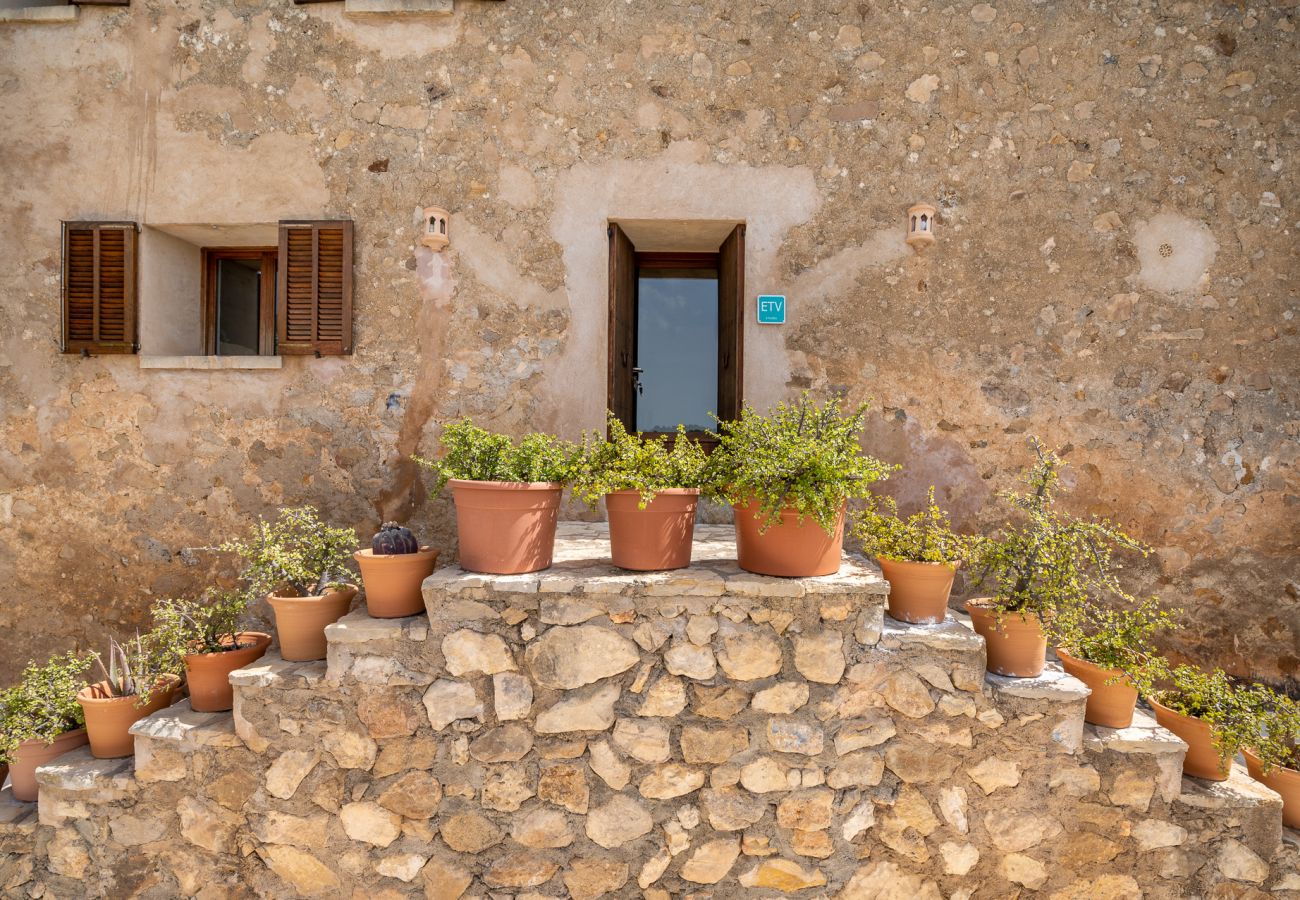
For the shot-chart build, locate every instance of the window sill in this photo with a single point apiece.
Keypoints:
(210, 363)
(40, 15)
(396, 8)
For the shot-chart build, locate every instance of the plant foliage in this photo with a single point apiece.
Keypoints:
(1277, 742)
(1236, 714)
(43, 704)
(136, 668)
(1115, 638)
(924, 537)
(207, 625)
(471, 453)
(296, 552)
(632, 462)
(801, 456)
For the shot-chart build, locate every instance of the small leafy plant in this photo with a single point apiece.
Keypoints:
(1235, 713)
(631, 462)
(1114, 638)
(137, 668)
(43, 704)
(801, 456)
(208, 625)
(924, 537)
(296, 553)
(471, 453)
(1050, 561)
(1277, 744)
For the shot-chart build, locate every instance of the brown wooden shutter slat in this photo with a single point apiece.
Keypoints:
(731, 323)
(315, 288)
(99, 287)
(622, 327)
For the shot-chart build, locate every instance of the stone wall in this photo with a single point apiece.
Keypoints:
(581, 733)
(1064, 146)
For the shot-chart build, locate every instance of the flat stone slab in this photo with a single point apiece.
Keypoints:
(358, 627)
(1240, 792)
(271, 669)
(179, 724)
(950, 635)
(16, 817)
(1143, 736)
(582, 566)
(79, 771)
(1053, 685)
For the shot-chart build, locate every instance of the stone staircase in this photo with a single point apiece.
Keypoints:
(586, 732)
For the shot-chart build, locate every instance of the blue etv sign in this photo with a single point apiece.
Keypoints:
(771, 309)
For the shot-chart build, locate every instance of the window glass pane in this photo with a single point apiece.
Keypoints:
(677, 352)
(239, 283)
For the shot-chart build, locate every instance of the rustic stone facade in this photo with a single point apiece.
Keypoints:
(1064, 147)
(584, 733)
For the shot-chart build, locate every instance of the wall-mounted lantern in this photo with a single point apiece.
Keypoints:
(920, 226)
(435, 228)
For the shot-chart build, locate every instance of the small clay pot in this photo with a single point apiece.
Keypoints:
(392, 581)
(789, 548)
(109, 719)
(1014, 642)
(208, 674)
(506, 527)
(655, 538)
(1202, 759)
(31, 754)
(300, 621)
(918, 591)
(1110, 704)
(1281, 779)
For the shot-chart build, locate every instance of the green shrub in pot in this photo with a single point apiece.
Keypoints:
(1273, 755)
(1214, 714)
(204, 638)
(139, 678)
(40, 719)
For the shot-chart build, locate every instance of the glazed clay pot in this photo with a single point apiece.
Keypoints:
(789, 549)
(505, 527)
(392, 581)
(918, 592)
(109, 719)
(1110, 705)
(1014, 643)
(31, 754)
(657, 537)
(208, 674)
(300, 621)
(1202, 759)
(1281, 779)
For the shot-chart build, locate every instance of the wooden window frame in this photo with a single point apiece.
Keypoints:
(96, 345)
(269, 257)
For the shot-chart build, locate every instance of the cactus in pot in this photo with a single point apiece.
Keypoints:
(392, 571)
(393, 540)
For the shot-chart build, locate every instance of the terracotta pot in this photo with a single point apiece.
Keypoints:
(31, 754)
(657, 537)
(392, 581)
(1202, 759)
(300, 621)
(918, 592)
(1014, 643)
(4, 773)
(109, 719)
(788, 549)
(1110, 705)
(1284, 780)
(506, 527)
(208, 674)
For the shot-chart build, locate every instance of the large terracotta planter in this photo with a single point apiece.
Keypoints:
(392, 581)
(788, 549)
(1110, 704)
(918, 592)
(505, 527)
(1014, 643)
(31, 754)
(1202, 759)
(109, 719)
(1281, 779)
(300, 621)
(657, 537)
(208, 674)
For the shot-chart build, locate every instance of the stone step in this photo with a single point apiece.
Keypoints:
(16, 817)
(1249, 812)
(165, 740)
(73, 784)
(1143, 746)
(270, 682)
(379, 651)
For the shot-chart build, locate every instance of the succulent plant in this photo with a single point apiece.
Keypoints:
(392, 539)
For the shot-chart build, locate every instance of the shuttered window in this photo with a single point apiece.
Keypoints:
(99, 280)
(315, 288)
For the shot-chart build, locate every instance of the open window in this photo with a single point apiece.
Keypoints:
(675, 327)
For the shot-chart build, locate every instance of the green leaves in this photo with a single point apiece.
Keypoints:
(1115, 638)
(295, 550)
(1239, 716)
(471, 453)
(136, 668)
(925, 537)
(631, 462)
(206, 625)
(801, 456)
(43, 705)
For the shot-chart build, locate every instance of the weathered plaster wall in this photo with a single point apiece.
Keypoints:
(1067, 147)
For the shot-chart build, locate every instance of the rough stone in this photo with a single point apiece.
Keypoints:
(665, 698)
(287, 772)
(509, 743)
(711, 861)
(1025, 870)
(907, 694)
(781, 699)
(469, 652)
(671, 780)
(307, 874)
(512, 696)
(469, 832)
(724, 701)
(729, 809)
(749, 655)
(564, 785)
(862, 768)
(713, 745)
(402, 866)
(350, 749)
(619, 820)
(782, 875)
(542, 828)
(446, 701)
(609, 765)
(690, 661)
(506, 787)
(589, 878)
(794, 736)
(645, 741)
(573, 657)
(994, 772)
(520, 869)
(589, 709)
(820, 657)
(1237, 861)
(1015, 830)
(371, 823)
(415, 795)
(806, 810)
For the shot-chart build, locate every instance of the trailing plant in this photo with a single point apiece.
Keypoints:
(1277, 743)
(801, 456)
(43, 704)
(924, 537)
(471, 453)
(1115, 638)
(137, 668)
(1050, 561)
(393, 540)
(1237, 714)
(208, 625)
(295, 552)
(632, 462)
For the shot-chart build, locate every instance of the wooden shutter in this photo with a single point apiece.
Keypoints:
(731, 323)
(99, 262)
(622, 327)
(314, 290)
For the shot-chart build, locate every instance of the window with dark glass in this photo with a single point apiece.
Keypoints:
(239, 301)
